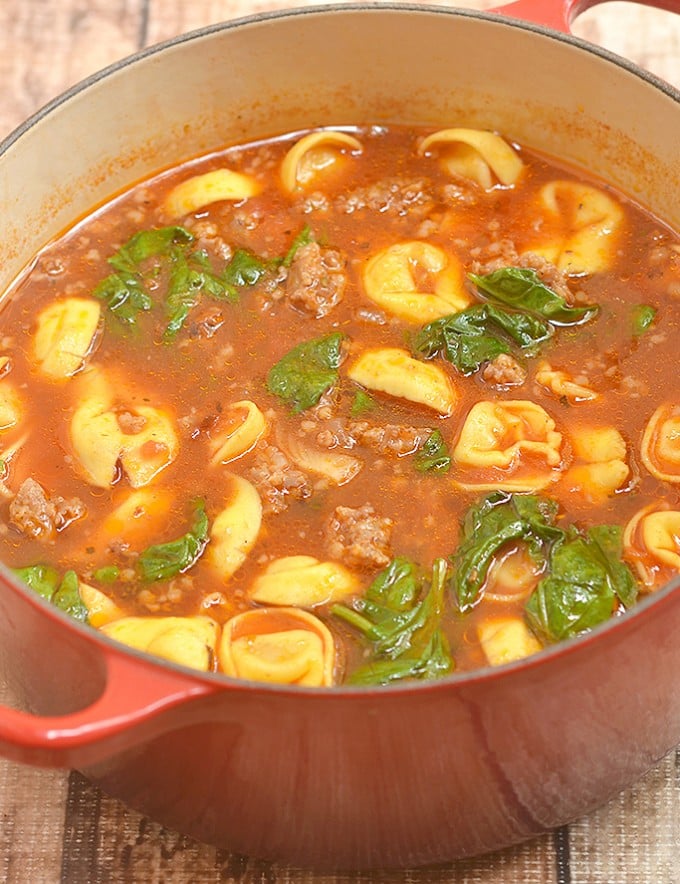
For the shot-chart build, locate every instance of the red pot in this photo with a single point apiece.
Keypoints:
(391, 776)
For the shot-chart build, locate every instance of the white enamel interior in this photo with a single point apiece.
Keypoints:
(335, 66)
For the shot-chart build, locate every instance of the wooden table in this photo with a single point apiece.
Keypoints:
(54, 826)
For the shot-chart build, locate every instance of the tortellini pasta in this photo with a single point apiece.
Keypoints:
(393, 371)
(189, 641)
(660, 451)
(511, 444)
(561, 385)
(585, 222)
(504, 639)
(11, 406)
(477, 155)
(234, 531)
(141, 439)
(602, 469)
(313, 154)
(65, 336)
(302, 581)
(211, 187)
(391, 280)
(100, 608)
(278, 645)
(651, 542)
(240, 429)
(335, 467)
(136, 519)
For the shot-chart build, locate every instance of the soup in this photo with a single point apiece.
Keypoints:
(347, 406)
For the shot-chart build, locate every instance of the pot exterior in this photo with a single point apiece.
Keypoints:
(392, 777)
(422, 775)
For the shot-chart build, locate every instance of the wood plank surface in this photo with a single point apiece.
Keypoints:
(56, 827)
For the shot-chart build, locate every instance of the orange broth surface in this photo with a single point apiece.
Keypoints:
(356, 205)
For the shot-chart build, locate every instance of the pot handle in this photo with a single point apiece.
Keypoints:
(559, 14)
(131, 708)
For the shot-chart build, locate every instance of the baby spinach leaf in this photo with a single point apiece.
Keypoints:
(304, 374)
(362, 403)
(124, 296)
(63, 592)
(433, 456)
(497, 520)
(41, 578)
(67, 598)
(244, 269)
(643, 317)
(148, 244)
(165, 560)
(586, 578)
(522, 288)
(401, 616)
(470, 337)
(106, 574)
(304, 237)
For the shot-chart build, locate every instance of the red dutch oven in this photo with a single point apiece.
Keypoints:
(341, 778)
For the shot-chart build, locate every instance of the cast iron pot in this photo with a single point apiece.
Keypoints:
(342, 778)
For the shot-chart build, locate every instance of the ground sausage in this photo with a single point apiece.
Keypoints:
(359, 537)
(393, 196)
(504, 371)
(277, 479)
(316, 279)
(37, 515)
(390, 439)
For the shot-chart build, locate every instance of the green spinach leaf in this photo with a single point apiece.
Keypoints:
(586, 579)
(401, 616)
(522, 288)
(304, 237)
(643, 317)
(304, 374)
(433, 456)
(362, 403)
(165, 560)
(64, 593)
(497, 520)
(471, 337)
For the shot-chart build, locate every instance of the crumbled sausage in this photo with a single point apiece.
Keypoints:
(390, 439)
(316, 279)
(359, 537)
(37, 515)
(393, 196)
(503, 253)
(504, 371)
(277, 479)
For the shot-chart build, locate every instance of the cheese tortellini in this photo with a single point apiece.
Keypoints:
(201, 190)
(240, 429)
(278, 645)
(511, 444)
(392, 279)
(652, 543)
(660, 451)
(477, 155)
(585, 222)
(302, 581)
(189, 641)
(561, 384)
(65, 336)
(11, 405)
(140, 439)
(600, 467)
(313, 154)
(234, 531)
(505, 639)
(393, 371)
